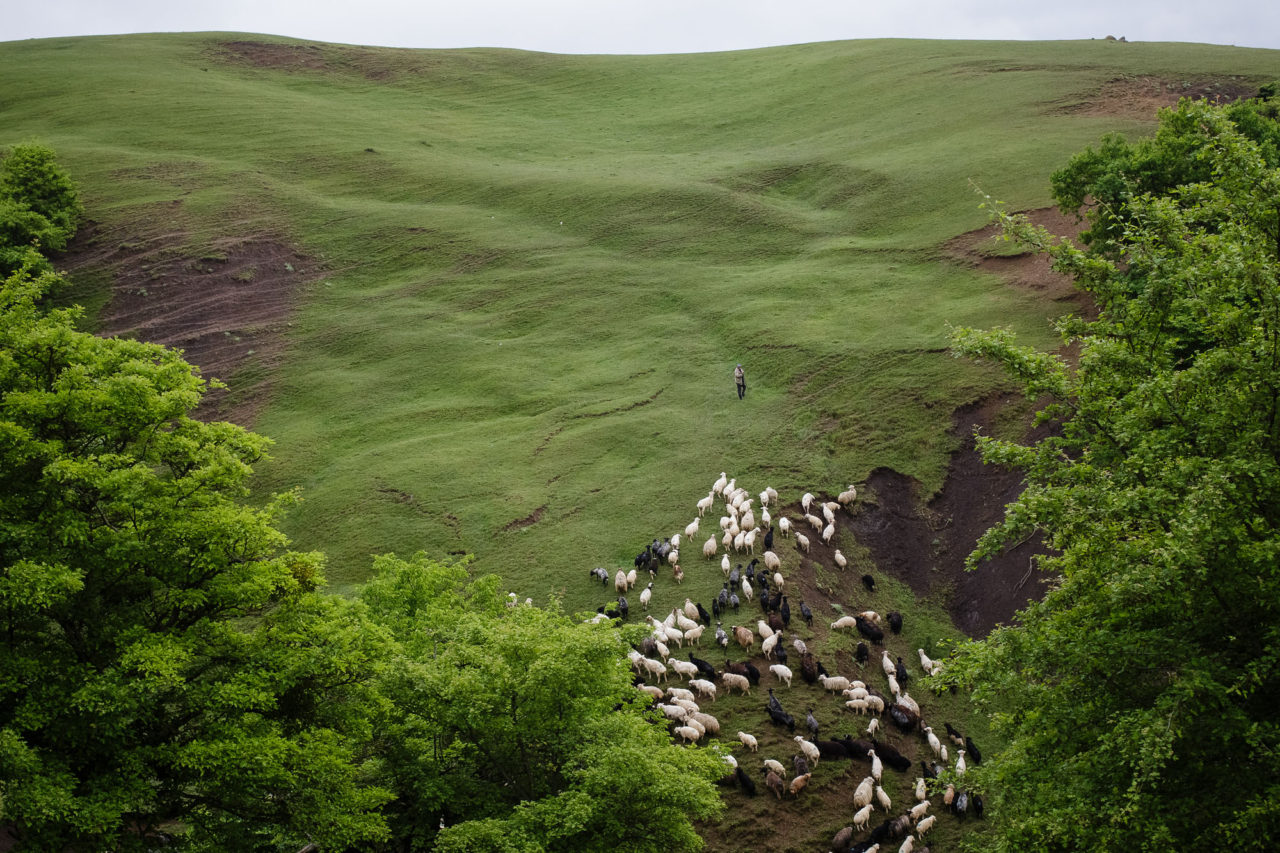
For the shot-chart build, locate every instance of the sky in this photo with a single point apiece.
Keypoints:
(655, 26)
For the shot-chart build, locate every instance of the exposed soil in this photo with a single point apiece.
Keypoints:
(1143, 96)
(226, 304)
(382, 64)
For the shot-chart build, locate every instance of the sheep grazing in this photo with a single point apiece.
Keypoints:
(806, 501)
(708, 722)
(688, 734)
(783, 673)
(620, 582)
(746, 588)
(842, 839)
(773, 766)
(778, 581)
(869, 630)
(843, 622)
(784, 526)
(908, 846)
(814, 522)
(601, 575)
(949, 796)
(861, 653)
(773, 782)
(745, 638)
(733, 681)
(710, 547)
(925, 662)
(744, 781)
(883, 799)
(806, 614)
(955, 736)
(802, 542)
(848, 496)
(840, 560)
(869, 582)
(925, 825)
(960, 765)
(972, 749)
(749, 741)
(904, 718)
(873, 726)
(677, 573)
(934, 743)
(827, 533)
(810, 749)
(886, 663)
(705, 688)
(798, 784)
(863, 793)
(683, 668)
(895, 621)
(834, 683)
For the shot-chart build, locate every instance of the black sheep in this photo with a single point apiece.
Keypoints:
(768, 538)
(971, 750)
(774, 704)
(901, 826)
(895, 621)
(929, 772)
(735, 577)
(705, 669)
(880, 833)
(775, 621)
(806, 614)
(956, 737)
(623, 607)
(782, 718)
(860, 654)
(775, 602)
(977, 806)
(753, 674)
(961, 804)
(857, 749)
(736, 668)
(904, 718)
(869, 582)
(780, 652)
(744, 782)
(831, 749)
(764, 600)
(703, 614)
(842, 840)
(809, 668)
(868, 629)
(900, 672)
(894, 759)
(822, 671)
(800, 763)
(723, 596)
(811, 721)
(715, 607)
(785, 613)
(734, 602)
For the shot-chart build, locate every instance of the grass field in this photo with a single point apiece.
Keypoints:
(531, 276)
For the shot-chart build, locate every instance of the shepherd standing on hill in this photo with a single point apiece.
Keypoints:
(740, 377)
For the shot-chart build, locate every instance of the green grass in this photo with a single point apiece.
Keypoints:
(541, 269)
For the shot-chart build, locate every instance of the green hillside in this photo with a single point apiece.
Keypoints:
(527, 277)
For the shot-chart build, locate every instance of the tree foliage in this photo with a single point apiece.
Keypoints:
(39, 207)
(1139, 697)
(519, 728)
(165, 664)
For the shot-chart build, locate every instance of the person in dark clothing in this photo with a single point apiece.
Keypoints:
(740, 377)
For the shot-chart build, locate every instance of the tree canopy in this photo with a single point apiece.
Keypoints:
(1139, 697)
(39, 207)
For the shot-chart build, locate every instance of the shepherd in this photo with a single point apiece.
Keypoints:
(740, 377)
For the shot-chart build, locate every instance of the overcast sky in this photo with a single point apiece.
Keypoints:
(655, 26)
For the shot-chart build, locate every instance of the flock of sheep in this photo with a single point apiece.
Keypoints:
(681, 631)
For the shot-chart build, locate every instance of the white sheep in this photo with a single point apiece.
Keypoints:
(710, 723)
(925, 663)
(814, 521)
(924, 826)
(862, 794)
(673, 712)
(739, 541)
(840, 560)
(748, 519)
(763, 629)
(775, 766)
(654, 667)
(732, 681)
(673, 557)
(771, 561)
(765, 518)
(694, 634)
(806, 500)
(680, 693)
(834, 683)
(919, 809)
(906, 701)
(828, 532)
(692, 530)
(873, 726)
(675, 541)
(688, 734)
(683, 668)
(809, 749)
(858, 706)
(764, 498)
(784, 526)
(847, 497)
(725, 521)
(683, 622)
(908, 845)
(799, 645)
(768, 643)
(705, 504)
(862, 817)
(778, 581)
(829, 514)
(877, 766)
(803, 542)
(922, 790)
(773, 495)
(934, 743)
(960, 765)
(749, 741)
(709, 548)
(883, 799)
(646, 595)
(631, 578)
(750, 539)
(843, 622)
(871, 616)
(726, 541)
(782, 672)
(887, 664)
(620, 582)
(690, 709)
(893, 685)
(704, 687)
(875, 704)
(725, 565)
(652, 690)
(747, 591)
(718, 487)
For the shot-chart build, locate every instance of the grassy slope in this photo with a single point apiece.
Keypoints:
(543, 272)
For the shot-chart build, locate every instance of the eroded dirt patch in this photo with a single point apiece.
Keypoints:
(380, 64)
(984, 250)
(925, 544)
(226, 304)
(1142, 97)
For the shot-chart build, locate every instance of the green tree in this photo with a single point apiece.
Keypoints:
(165, 663)
(519, 728)
(1140, 696)
(39, 206)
